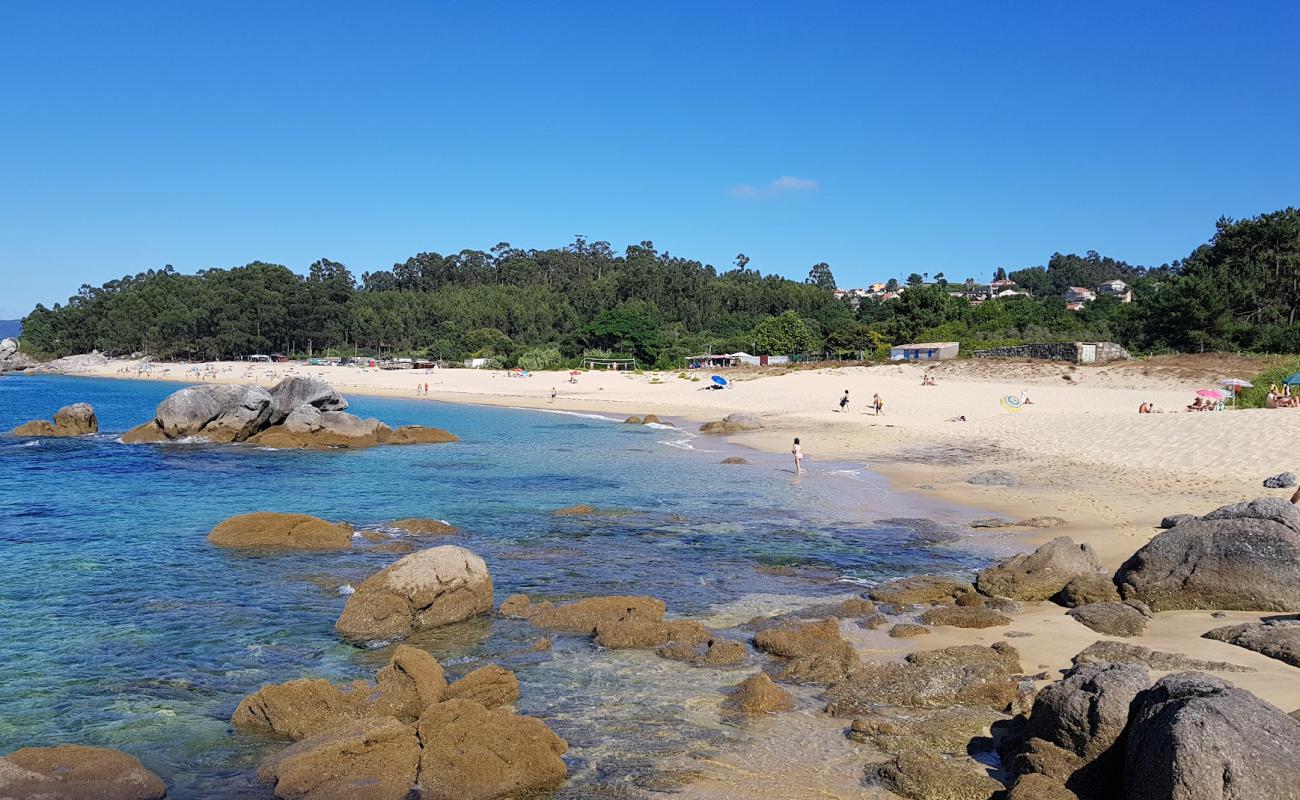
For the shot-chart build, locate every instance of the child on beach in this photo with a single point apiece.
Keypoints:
(797, 452)
(844, 402)
(877, 404)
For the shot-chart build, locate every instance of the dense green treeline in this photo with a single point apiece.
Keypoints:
(1240, 291)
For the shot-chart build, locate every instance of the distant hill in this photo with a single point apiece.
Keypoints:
(10, 327)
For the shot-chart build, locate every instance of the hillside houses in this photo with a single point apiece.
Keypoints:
(1002, 289)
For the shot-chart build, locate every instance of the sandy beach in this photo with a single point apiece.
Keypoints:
(1079, 450)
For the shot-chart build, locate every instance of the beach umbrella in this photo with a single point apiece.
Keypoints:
(1293, 379)
(1214, 393)
(718, 379)
(1236, 385)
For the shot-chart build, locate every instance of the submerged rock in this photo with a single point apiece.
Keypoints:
(376, 758)
(1243, 557)
(77, 419)
(584, 616)
(1040, 574)
(1196, 737)
(426, 589)
(734, 460)
(76, 772)
(816, 651)
(921, 590)
(633, 420)
(757, 694)
(286, 531)
(1278, 639)
(421, 526)
(474, 753)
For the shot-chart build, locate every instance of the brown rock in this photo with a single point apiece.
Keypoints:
(417, 434)
(287, 531)
(473, 753)
(1035, 786)
(633, 420)
(734, 460)
(1000, 656)
(725, 653)
(37, 427)
(965, 617)
(1092, 587)
(920, 590)
(943, 730)
(650, 419)
(301, 708)
(541, 646)
(855, 607)
(971, 600)
(582, 616)
(412, 681)
(817, 652)
(758, 695)
(1040, 574)
(907, 630)
(426, 589)
(926, 776)
(516, 606)
(369, 759)
(489, 686)
(144, 433)
(988, 685)
(581, 510)
(874, 622)
(77, 419)
(423, 527)
(75, 772)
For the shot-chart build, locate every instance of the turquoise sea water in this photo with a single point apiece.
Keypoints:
(124, 628)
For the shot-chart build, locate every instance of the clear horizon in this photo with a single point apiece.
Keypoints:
(880, 140)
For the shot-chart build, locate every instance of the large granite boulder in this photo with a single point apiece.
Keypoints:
(475, 753)
(293, 393)
(1244, 556)
(733, 423)
(1091, 587)
(75, 772)
(1084, 714)
(426, 589)
(1040, 574)
(376, 758)
(77, 419)
(320, 430)
(409, 683)
(214, 413)
(71, 365)
(1195, 737)
(282, 531)
(13, 360)
(1275, 638)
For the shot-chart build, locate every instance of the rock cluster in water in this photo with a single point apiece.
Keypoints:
(426, 589)
(297, 413)
(75, 772)
(408, 729)
(77, 419)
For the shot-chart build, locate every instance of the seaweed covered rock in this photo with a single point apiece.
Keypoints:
(1040, 574)
(757, 694)
(474, 753)
(426, 589)
(971, 680)
(283, 531)
(815, 651)
(76, 772)
(926, 776)
(1243, 557)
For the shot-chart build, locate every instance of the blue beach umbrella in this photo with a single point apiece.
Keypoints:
(1293, 379)
(721, 381)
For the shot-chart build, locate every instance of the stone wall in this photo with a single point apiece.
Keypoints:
(1056, 351)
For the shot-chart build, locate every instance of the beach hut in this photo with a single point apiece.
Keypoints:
(260, 358)
(928, 351)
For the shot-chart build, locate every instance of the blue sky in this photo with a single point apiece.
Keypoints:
(881, 138)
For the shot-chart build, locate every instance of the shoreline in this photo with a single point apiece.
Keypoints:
(1103, 502)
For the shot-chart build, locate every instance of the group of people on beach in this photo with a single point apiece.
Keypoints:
(1281, 398)
(877, 404)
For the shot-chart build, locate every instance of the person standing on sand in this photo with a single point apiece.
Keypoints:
(797, 452)
(877, 404)
(844, 402)
(552, 394)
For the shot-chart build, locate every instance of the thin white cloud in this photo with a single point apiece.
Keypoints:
(782, 185)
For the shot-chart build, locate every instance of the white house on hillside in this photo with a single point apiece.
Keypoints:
(1078, 294)
(1117, 289)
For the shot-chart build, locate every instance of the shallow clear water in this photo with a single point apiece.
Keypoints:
(124, 628)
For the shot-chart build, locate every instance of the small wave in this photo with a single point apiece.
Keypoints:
(851, 473)
(346, 589)
(680, 444)
(582, 414)
(32, 443)
(660, 425)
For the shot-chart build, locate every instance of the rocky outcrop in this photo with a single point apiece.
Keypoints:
(632, 632)
(1092, 587)
(757, 694)
(815, 652)
(1077, 725)
(993, 477)
(965, 617)
(426, 589)
(1244, 557)
(1040, 574)
(281, 531)
(632, 420)
(1196, 737)
(412, 681)
(1112, 619)
(474, 753)
(77, 419)
(11, 360)
(75, 772)
(957, 679)
(1112, 651)
(297, 413)
(420, 526)
(733, 423)
(586, 615)
(921, 590)
(1278, 639)
(715, 652)
(926, 776)
(489, 686)
(650, 419)
(71, 365)
(377, 758)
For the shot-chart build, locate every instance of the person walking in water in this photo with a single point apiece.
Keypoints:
(797, 452)
(844, 402)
